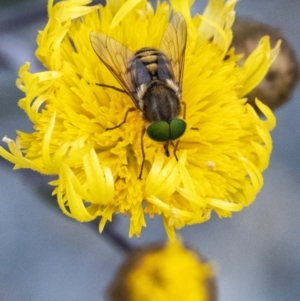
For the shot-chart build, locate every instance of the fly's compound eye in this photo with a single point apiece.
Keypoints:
(163, 131)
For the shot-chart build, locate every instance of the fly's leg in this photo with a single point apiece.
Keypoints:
(166, 148)
(184, 115)
(184, 109)
(175, 149)
(177, 142)
(112, 87)
(124, 120)
(129, 110)
(143, 154)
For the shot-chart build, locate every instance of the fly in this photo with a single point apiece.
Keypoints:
(153, 80)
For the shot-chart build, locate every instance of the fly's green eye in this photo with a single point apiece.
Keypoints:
(159, 131)
(177, 128)
(163, 131)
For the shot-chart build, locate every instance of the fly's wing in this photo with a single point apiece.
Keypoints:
(173, 45)
(120, 61)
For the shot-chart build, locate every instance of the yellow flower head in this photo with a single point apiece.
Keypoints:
(162, 273)
(221, 154)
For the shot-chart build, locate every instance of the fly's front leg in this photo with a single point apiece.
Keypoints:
(175, 149)
(166, 148)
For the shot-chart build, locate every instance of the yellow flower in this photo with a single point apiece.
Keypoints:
(221, 155)
(162, 273)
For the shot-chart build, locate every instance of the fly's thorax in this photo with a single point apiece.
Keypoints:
(170, 83)
(160, 101)
(140, 91)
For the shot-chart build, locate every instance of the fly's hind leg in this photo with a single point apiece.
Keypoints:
(143, 154)
(129, 110)
(124, 120)
(112, 87)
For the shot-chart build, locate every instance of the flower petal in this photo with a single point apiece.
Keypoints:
(257, 64)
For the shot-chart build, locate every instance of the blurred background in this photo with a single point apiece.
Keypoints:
(47, 256)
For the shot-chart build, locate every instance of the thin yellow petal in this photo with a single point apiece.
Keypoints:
(126, 8)
(99, 180)
(258, 64)
(225, 205)
(267, 112)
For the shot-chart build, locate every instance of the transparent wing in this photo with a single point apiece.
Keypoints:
(173, 45)
(118, 59)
